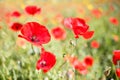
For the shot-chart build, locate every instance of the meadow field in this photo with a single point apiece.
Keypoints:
(60, 40)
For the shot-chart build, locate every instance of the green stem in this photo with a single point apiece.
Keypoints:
(76, 47)
(61, 65)
(75, 74)
(113, 68)
(116, 76)
(33, 49)
(77, 53)
(2, 75)
(14, 75)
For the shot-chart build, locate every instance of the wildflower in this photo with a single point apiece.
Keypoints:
(32, 10)
(46, 62)
(88, 34)
(116, 56)
(58, 33)
(88, 60)
(16, 26)
(68, 23)
(116, 38)
(97, 13)
(95, 44)
(118, 72)
(113, 20)
(15, 14)
(35, 33)
(80, 66)
(79, 27)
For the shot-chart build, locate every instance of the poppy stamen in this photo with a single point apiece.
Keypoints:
(43, 63)
(33, 38)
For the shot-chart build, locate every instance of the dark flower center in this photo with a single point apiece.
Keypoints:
(17, 27)
(34, 39)
(43, 63)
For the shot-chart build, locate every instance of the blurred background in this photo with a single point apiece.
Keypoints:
(17, 59)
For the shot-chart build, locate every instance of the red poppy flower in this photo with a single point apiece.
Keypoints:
(118, 72)
(35, 33)
(88, 60)
(46, 62)
(68, 22)
(116, 56)
(114, 21)
(79, 27)
(88, 34)
(73, 61)
(80, 66)
(32, 10)
(16, 26)
(59, 33)
(95, 44)
(16, 14)
(97, 13)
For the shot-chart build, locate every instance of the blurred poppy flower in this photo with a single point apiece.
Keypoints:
(58, 33)
(16, 26)
(80, 66)
(88, 34)
(97, 13)
(68, 22)
(118, 72)
(15, 14)
(46, 62)
(35, 33)
(72, 59)
(32, 10)
(88, 60)
(79, 27)
(116, 56)
(116, 38)
(20, 42)
(113, 20)
(95, 44)
(59, 17)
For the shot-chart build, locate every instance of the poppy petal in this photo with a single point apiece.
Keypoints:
(32, 10)
(88, 34)
(46, 62)
(35, 33)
